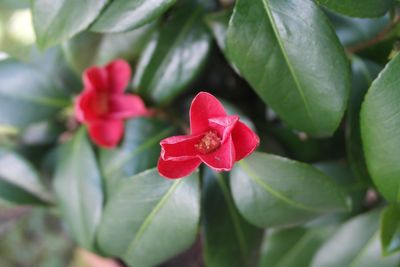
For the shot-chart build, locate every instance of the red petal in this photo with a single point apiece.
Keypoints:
(180, 147)
(106, 133)
(126, 106)
(224, 125)
(244, 139)
(177, 169)
(223, 158)
(95, 79)
(204, 106)
(119, 75)
(84, 110)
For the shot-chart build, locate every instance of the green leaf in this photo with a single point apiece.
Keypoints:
(56, 21)
(355, 244)
(27, 95)
(293, 60)
(364, 72)
(87, 48)
(380, 129)
(124, 15)
(174, 57)
(273, 191)
(293, 247)
(390, 229)
(150, 219)
(229, 240)
(19, 181)
(139, 150)
(79, 190)
(356, 8)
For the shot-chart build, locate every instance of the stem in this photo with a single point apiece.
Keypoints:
(378, 38)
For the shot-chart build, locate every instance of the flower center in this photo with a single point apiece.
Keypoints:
(209, 143)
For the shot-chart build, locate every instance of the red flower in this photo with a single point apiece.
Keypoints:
(103, 106)
(217, 139)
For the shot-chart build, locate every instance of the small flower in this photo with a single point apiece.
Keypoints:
(103, 106)
(216, 139)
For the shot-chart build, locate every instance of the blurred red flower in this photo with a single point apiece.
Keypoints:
(103, 106)
(217, 139)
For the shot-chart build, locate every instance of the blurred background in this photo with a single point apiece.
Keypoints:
(31, 236)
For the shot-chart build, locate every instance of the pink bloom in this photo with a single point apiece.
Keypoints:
(217, 139)
(103, 106)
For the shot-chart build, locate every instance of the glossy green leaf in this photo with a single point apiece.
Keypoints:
(150, 219)
(229, 240)
(380, 129)
(139, 150)
(124, 15)
(390, 229)
(57, 20)
(293, 247)
(292, 58)
(27, 95)
(355, 244)
(79, 190)
(357, 8)
(174, 57)
(273, 191)
(19, 181)
(364, 72)
(87, 48)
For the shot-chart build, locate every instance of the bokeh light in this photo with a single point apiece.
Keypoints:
(20, 27)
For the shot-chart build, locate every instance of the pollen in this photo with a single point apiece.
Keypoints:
(209, 143)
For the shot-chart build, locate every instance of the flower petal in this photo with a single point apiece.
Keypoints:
(223, 125)
(85, 108)
(119, 75)
(126, 106)
(177, 169)
(106, 133)
(95, 79)
(204, 106)
(181, 147)
(223, 158)
(244, 139)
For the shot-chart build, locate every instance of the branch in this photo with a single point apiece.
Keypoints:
(378, 38)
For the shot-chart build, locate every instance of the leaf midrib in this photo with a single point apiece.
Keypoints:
(238, 231)
(146, 223)
(300, 243)
(275, 193)
(155, 80)
(75, 151)
(51, 102)
(286, 58)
